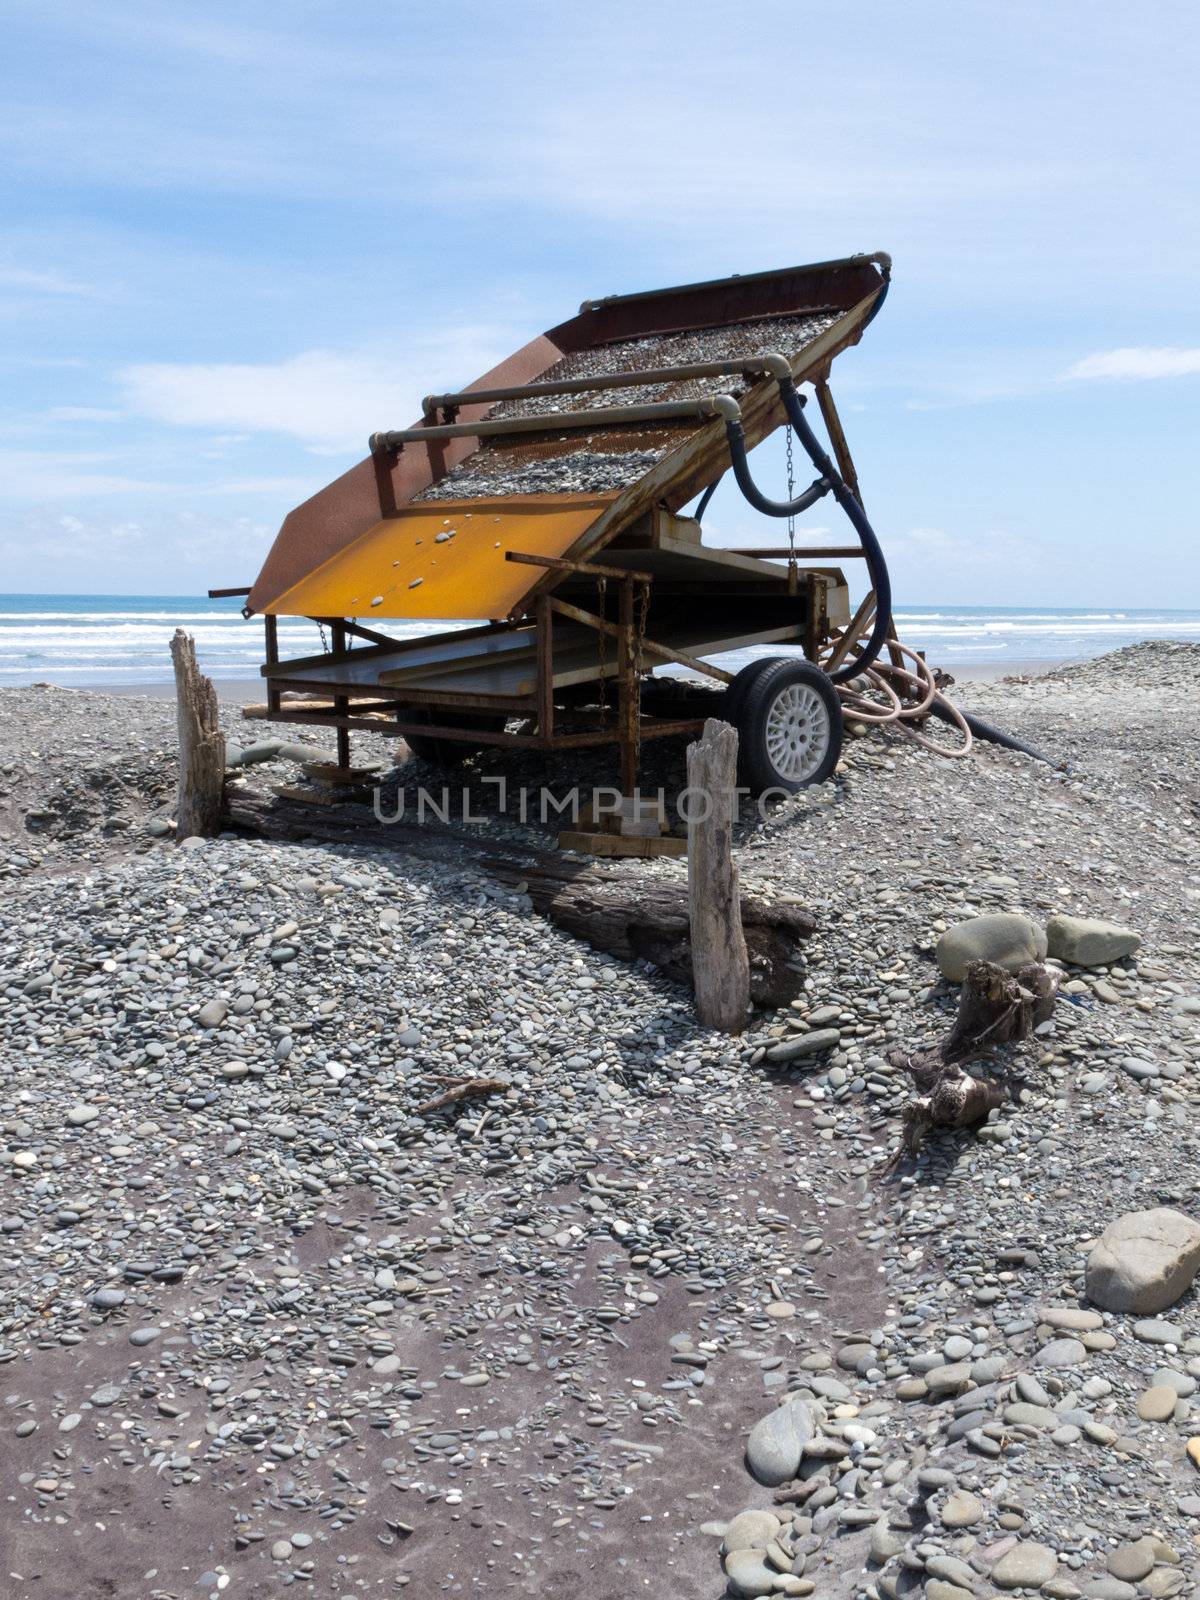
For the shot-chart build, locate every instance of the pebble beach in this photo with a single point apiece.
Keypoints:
(662, 1316)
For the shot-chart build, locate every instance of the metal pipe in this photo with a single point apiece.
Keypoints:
(603, 416)
(608, 380)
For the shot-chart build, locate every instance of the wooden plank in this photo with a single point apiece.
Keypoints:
(419, 695)
(837, 435)
(545, 667)
(649, 730)
(817, 622)
(857, 625)
(451, 636)
(682, 659)
(720, 560)
(559, 564)
(263, 711)
(201, 785)
(341, 705)
(317, 796)
(616, 844)
(628, 696)
(819, 552)
(720, 961)
(271, 646)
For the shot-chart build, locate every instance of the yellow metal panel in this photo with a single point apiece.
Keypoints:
(444, 558)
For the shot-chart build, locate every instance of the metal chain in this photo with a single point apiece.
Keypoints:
(791, 494)
(324, 641)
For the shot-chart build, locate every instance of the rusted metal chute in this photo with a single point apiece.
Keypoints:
(545, 503)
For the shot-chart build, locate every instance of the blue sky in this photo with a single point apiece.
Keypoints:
(234, 239)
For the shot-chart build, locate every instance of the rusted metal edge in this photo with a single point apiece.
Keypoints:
(879, 258)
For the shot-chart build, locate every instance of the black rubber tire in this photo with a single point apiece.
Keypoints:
(735, 692)
(755, 768)
(446, 753)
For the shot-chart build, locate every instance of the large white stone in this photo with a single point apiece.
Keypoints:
(1089, 942)
(1144, 1261)
(1011, 941)
(777, 1442)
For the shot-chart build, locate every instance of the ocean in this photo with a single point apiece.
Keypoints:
(117, 640)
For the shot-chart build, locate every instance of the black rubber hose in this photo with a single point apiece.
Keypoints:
(990, 735)
(735, 434)
(705, 498)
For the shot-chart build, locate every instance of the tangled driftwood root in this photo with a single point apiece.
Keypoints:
(462, 1089)
(995, 1008)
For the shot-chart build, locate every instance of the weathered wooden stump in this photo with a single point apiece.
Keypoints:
(201, 786)
(720, 963)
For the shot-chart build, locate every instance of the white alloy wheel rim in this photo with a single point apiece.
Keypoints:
(797, 732)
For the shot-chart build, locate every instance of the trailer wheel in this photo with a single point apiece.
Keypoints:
(789, 727)
(735, 692)
(446, 752)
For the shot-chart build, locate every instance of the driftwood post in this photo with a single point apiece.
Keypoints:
(720, 964)
(201, 745)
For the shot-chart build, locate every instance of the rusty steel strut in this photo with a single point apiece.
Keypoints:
(829, 481)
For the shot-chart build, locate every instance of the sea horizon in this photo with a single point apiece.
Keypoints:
(94, 640)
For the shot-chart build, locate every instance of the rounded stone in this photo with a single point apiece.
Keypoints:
(1061, 1353)
(1027, 1565)
(751, 1530)
(1157, 1403)
(1009, 940)
(748, 1574)
(962, 1510)
(1144, 1261)
(777, 1442)
(1088, 941)
(1131, 1562)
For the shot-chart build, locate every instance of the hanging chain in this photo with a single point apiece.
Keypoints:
(324, 641)
(601, 607)
(791, 494)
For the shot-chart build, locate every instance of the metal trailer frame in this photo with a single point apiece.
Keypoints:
(565, 709)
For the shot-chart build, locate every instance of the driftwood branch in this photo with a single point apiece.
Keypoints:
(462, 1089)
(201, 745)
(720, 962)
(995, 1008)
(614, 909)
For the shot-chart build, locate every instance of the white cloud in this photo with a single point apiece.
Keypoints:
(1137, 361)
(40, 477)
(926, 548)
(26, 281)
(82, 414)
(328, 400)
(49, 475)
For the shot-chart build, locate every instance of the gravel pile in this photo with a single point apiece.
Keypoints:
(573, 464)
(270, 1316)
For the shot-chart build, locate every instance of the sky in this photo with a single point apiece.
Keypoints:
(234, 239)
